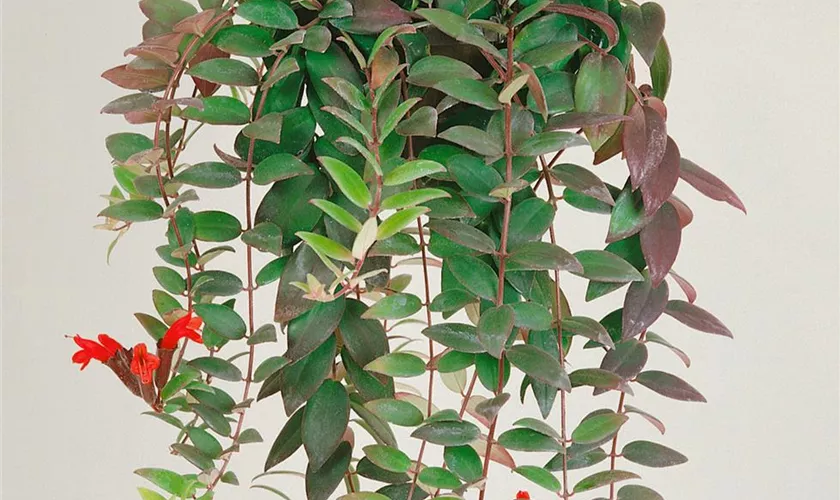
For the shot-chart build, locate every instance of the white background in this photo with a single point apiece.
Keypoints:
(754, 99)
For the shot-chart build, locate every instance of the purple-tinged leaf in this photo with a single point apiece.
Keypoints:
(696, 317)
(647, 416)
(138, 79)
(661, 242)
(658, 188)
(604, 478)
(574, 120)
(644, 26)
(652, 454)
(645, 140)
(638, 492)
(601, 19)
(589, 328)
(705, 182)
(643, 305)
(627, 359)
(583, 181)
(683, 211)
(687, 288)
(669, 386)
(657, 339)
(600, 265)
(371, 17)
(140, 101)
(595, 377)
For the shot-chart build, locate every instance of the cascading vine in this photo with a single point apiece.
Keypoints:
(389, 141)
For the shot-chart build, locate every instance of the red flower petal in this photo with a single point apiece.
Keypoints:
(186, 326)
(523, 495)
(111, 345)
(93, 348)
(143, 364)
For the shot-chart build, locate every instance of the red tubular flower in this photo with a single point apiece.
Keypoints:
(143, 364)
(185, 327)
(523, 495)
(101, 351)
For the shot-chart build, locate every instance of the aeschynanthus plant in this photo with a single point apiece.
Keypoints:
(376, 143)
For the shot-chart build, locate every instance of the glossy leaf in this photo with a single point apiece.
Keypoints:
(644, 25)
(494, 329)
(652, 454)
(661, 242)
(708, 184)
(396, 412)
(599, 265)
(326, 246)
(539, 365)
(222, 319)
(447, 433)
(669, 386)
(268, 13)
(225, 71)
(398, 364)
(637, 492)
(643, 305)
(522, 439)
(696, 317)
(583, 181)
(597, 427)
(210, 174)
(600, 89)
(388, 458)
(278, 167)
(473, 139)
(219, 110)
(539, 476)
(539, 255)
(464, 235)
(324, 422)
(600, 479)
(475, 275)
(396, 306)
(458, 336)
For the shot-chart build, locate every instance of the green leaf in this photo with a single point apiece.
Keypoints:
(522, 439)
(550, 53)
(321, 482)
(133, 211)
(541, 255)
(600, 265)
(660, 70)
(266, 128)
(317, 39)
(167, 480)
(216, 284)
(324, 422)
(458, 336)
(537, 425)
(265, 237)
(475, 275)
(222, 320)
(549, 142)
(458, 28)
(390, 123)
(278, 167)
(652, 454)
(213, 225)
(213, 418)
(412, 170)
(396, 306)
(167, 13)
(152, 325)
(539, 476)
(348, 181)
(219, 110)
(531, 316)
(268, 367)
(448, 433)
(398, 221)
(170, 280)
(263, 334)
(582, 181)
(385, 457)
(147, 494)
(396, 412)
(411, 198)
(124, 145)
(529, 220)
(349, 92)
(539, 365)
(438, 477)
(250, 436)
(244, 40)
(463, 234)
(210, 174)
(268, 13)
(218, 368)
(470, 91)
(363, 495)
(494, 329)
(628, 215)
(604, 478)
(669, 386)
(287, 441)
(326, 246)
(339, 214)
(464, 461)
(422, 122)
(271, 272)
(205, 442)
(597, 427)
(595, 377)
(644, 25)
(177, 384)
(225, 71)
(431, 70)
(310, 331)
(637, 492)
(398, 364)
(473, 139)
(600, 88)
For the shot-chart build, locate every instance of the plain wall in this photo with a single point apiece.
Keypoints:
(753, 99)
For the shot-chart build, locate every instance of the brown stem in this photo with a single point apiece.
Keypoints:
(508, 75)
(249, 224)
(614, 446)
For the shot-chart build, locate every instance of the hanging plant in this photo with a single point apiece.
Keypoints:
(381, 148)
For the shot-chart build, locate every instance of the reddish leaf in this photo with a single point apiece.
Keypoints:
(647, 416)
(643, 305)
(196, 24)
(371, 17)
(687, 288)
(656, 339)
(683, 211)
(498, 454)
(154, 53)
(138, 79)
(645, 141)
(661, 242)
(573, 120)
(696, 318)
(669, 386)
(601, 19)
(627, 359)
(583, 181)
(658, 187)
(708, 184)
